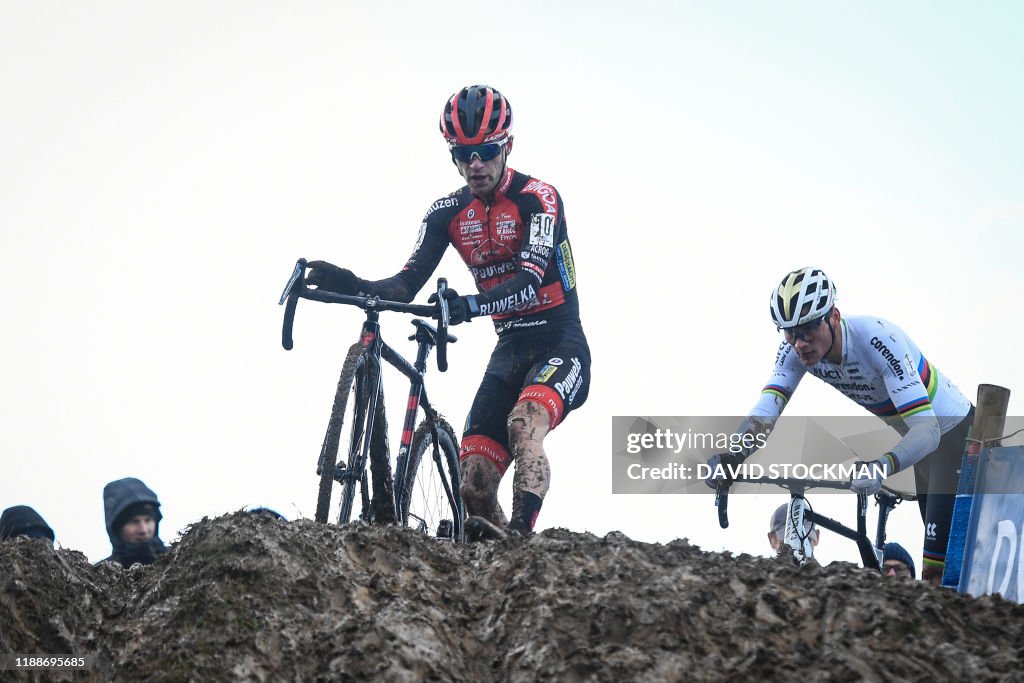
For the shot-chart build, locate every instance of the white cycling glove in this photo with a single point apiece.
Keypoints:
(868, 476)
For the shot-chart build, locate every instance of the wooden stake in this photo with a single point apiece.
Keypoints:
(989, 418)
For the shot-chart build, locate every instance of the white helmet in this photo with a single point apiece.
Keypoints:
(802, 296)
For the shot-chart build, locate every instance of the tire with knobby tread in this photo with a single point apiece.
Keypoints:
(355, 361)
(380, 507)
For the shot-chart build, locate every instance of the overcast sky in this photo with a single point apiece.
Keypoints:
(163, 165)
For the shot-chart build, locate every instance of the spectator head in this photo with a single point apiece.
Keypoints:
(132, 511)
(21, 520)
(137, 524)
(269, 512)
(777, 528)
(896, 561)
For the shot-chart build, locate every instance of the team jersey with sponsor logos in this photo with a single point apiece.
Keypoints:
(883, 370)
(516, 247)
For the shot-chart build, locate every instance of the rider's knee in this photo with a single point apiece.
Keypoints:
(528, 421)
(481, 454)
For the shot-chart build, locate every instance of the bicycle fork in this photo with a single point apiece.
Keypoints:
(371, 340)
(795, 536)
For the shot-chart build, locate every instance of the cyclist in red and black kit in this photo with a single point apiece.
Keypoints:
(510, 230)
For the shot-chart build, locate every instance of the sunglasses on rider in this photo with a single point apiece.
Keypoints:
(485, 152)
(803, 332)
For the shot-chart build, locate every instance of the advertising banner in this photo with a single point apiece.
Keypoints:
(994, 556)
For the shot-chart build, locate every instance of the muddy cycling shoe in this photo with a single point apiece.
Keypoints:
(480, 529)
(516, 529)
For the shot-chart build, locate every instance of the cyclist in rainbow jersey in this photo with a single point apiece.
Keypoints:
(874, 363)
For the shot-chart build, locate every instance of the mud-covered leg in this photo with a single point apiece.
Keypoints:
(480, 480)
(528, 424)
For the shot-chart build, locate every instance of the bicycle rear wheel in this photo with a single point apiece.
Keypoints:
(351, 407)
(430, 497)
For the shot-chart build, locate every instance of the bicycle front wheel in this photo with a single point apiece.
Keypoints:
(430, 497)
(350, 408)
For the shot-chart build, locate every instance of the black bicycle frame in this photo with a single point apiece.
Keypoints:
(377, 349)
(426, 337)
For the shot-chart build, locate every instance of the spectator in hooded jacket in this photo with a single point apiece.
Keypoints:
(21, 520)
(133, 517)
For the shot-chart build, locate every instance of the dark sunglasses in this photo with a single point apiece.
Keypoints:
(803, 332)
(485, 152)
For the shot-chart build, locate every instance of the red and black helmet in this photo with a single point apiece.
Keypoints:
(475, 115)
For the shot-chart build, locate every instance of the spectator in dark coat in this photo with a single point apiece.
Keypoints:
(133, 517)
(21, 520)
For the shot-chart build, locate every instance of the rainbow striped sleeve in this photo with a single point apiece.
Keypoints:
(914, 407)
(929, 378)
(882, 408)
(778, 390)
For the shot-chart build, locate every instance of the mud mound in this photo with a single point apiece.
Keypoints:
(249, 597)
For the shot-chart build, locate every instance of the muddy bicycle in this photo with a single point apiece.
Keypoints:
(422, 492)
(799, 511)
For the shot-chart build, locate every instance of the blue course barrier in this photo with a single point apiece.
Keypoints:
(961, 516)
(993, 560)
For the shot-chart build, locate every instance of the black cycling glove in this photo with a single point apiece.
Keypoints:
(460, 308)
(333, 279)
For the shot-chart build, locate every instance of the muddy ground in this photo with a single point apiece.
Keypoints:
(249, 597)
